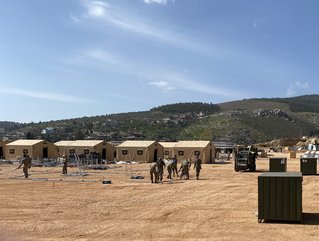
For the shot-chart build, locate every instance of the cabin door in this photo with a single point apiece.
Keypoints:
(155, 154)
(45, 152)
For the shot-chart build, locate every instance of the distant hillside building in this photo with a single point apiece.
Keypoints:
(36, 149)
(140, 151)
(78, 147)
(190, 149)
(48, 131)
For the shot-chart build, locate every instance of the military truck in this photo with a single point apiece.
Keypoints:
(245, 158)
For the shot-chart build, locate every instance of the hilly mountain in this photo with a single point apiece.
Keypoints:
(244, 122)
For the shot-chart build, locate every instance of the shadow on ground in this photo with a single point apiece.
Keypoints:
(310, 218)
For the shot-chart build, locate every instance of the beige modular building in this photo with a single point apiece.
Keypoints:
(36, 149)
(78, 147)
(190, 149)
(140, 151)
(168, 149)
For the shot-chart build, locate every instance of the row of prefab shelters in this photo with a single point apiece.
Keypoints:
(139, 151)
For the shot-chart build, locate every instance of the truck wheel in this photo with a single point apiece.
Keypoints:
(236, 168)
(252, 168)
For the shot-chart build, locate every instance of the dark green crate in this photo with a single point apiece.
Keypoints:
(308, 165)
(278, 164)
(280, 196)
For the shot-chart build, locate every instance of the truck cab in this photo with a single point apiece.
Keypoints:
(245, 158)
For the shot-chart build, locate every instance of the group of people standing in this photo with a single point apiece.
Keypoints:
(157, 169)
(26, 163)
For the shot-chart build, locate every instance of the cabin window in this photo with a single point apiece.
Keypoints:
(25, 151)
(196, 153)
(124, 152)
(86, 151)
(139, 152)
(166, 153)
(180, 153)
(11, 151)
(72, 151)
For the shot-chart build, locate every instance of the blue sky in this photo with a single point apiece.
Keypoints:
(64, 59)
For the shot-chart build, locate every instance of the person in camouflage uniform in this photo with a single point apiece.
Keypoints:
(186, 164)
(174, 166)
(65, 164)
(26, 162)
(161, 165)
(197, 166)
(169, 169)
(154, 172)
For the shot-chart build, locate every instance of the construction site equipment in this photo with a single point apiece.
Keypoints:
(79, 163)
(99, 167)
(280, 196)
(137, 177)
(245, 158)
(106, 182)
(58, 180)
(278, 164)
(308, 165)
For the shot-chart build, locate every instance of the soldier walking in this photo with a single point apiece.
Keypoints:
(26, 162)
(154, 172)
(197, 166)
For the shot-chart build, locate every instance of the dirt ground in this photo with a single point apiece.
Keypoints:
(222, 205)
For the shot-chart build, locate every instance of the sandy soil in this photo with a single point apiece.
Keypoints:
(222, 205)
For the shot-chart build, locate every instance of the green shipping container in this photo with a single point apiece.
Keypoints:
(308, 165)
(280, 196)
(278, 164)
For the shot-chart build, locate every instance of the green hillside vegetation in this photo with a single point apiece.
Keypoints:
(243, 122)
(306, 103)
(182, 108)
(9, 125)
(254, 104)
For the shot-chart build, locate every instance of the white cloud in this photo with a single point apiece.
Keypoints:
(103, 15)
(163, 85)
(196, 86)
(297, 88)
(74, 18)
(290, 91)
(42, 95)
(302, 85)
(162, 2)
(99, 55)
(94, 56)
(96, 8)
(182, 83)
